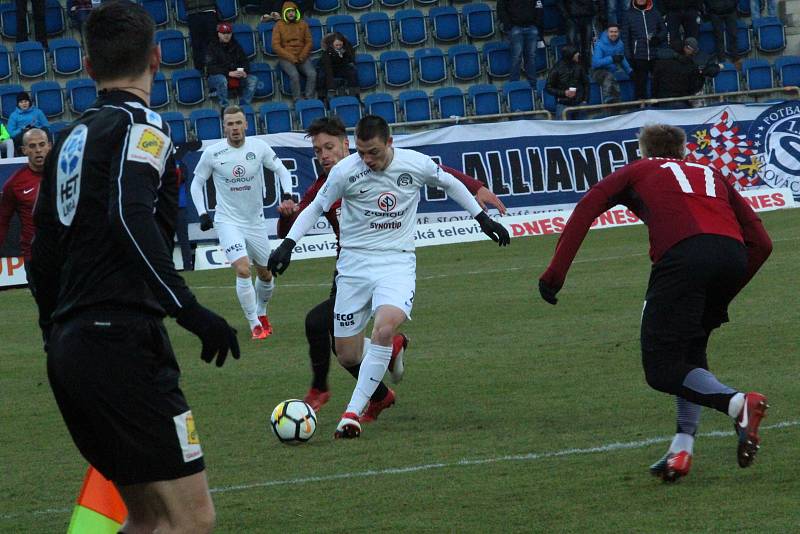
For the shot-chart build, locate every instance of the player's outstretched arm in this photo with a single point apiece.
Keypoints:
(482, 194)
(756, 239)
(281, 256)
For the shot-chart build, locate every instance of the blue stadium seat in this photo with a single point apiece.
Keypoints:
(57, 127)
(415, 105)
(173, 47)
(445, 23)
(346, 25)
(81, 94)
(426, 2)
(727, 80)
(394, 3)
(359, 4)
(206, 123)
(498, 59)
(5, 63)
(367, 69)
(377, 29)
(48, 97)
(227, 9)
(465, 63)
(188, 87)
(347, 108)
(411, 28)
(265, 31)
(743, 44)
(548, 101)
(317, 29)
(541, 60)
(286, 83)
(518, 96)
(251, 118)
(787, 69)
(595, 97)
(705, 38)
(449, 102)
(431, 65)
(626, 89)
(557, 42)
(31, 61)
(266, 84)
(396, 66)
(552, 19)
(757, 74)
(743, 8)
(159, 95)
(770, 34)
(8, 98)
(275, 117)
(246, 37)
(158, 9)
(177, 125)
(54, 21)
(326, 6)
(478, 20)
(484, 99)
(308, 110)
(179, 9)
(381, 104)
(67, 56)
(8, 20)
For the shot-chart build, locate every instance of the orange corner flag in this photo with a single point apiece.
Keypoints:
(99, 509)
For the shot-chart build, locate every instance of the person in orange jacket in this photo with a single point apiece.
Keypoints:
(291, 41)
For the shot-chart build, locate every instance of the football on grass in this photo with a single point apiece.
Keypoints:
(293, 421)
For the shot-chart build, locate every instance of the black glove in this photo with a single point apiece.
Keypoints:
(214, 332)
(618, 58)
(548, 292)
(493, 229)
(288, 196)
(205, 222)
(281, 256)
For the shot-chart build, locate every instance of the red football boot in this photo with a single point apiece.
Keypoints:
(672, 466)
(375, 408)
(348, 427)
(264, 320)
(316, 398)
(396, 367)
(753, 411)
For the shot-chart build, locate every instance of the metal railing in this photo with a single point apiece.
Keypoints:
(402, 127)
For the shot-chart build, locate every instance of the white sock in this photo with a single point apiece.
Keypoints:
(263, 294)
(735, 405)
(367, 345)
(373, 367)
(682, 442)
(247, 298)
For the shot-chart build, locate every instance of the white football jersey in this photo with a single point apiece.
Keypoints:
(238, 179)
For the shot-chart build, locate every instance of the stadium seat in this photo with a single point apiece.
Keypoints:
(727, 80)
(308, 110)
(396, 66)
(415, 105)
(552, 19)
(48, 97)
(548, 101)
(275, 117)
(265, 32)
(246, 37)
(393, 3)
(367, 69)
(67, 56)
(411, 28)
(449, 101)
(346, 25)
(81, 94)
(478, 20)
(743, 8)
(266, 84)
(770, 34)
(465, 63)
(158, 9)
(177, 126)
(54, 21)
(484, 99)
(317, 29)
(251, 118)
(757, 74)
(8, 98)
(431, 65)
(5, 63)
(787, 69)
(57, 127)
(557, 42)
(359, 4)
(326, 6)
(188, 87)
(705, 38)
(31, 61)
(377, 29)
(595, 97)
(541, 61)
(173, 47)
(426, 2)
(381, 104)
(445, 23)
(498, 59)
(286, 82)
(518, 96)
(347, 108)
(206, 123)
(227, 9)
(159, 94)
(179, 10)
(743, 44)
(626, 90)
(8, 20)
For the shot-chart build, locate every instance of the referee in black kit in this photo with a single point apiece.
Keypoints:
(103, 278)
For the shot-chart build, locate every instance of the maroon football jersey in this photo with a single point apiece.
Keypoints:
(19, 195)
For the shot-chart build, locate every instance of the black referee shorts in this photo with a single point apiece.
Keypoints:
(115, 379)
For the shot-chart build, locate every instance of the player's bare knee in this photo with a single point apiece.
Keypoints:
(383, 334)
(348, 360)
(242, 271)
(198, 519)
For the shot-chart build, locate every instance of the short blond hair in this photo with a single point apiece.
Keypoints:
(662, 141)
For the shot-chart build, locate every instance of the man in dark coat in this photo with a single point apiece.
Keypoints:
(681, 71)
(642, 33)
(567, 80)
(228, 67)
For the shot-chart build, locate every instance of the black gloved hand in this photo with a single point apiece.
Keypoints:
(216, 335)
(548, 292)
(618, 58)
(288, 196)
(205, 222)
(281, 256)
(493, 229)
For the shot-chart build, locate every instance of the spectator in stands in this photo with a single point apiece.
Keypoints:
(271, 9)
(39, 27)
(25, 117)
(291, 41)
(567, 80)
(723, 18)
(614, 7)
(337, 63)
(756, 5)
(681, 13)
(607, 60)
(579, 16)
(202, 19)
(642, 33)
(681, 70)
(522, 21)
(78, 11)
(6, 143)
(228, 67)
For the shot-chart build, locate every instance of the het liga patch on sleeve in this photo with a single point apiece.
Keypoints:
(187, 436)
(148, 145)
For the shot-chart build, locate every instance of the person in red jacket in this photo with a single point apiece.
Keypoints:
(706, 244)
(20, 191)
(329, 137)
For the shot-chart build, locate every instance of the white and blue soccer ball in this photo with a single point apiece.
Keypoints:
(293, 421)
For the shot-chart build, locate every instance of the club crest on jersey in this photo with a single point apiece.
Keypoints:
(68, 174)
(776, 136)
(250, 156)
(405, 180)
(387, 202)
(239, 171)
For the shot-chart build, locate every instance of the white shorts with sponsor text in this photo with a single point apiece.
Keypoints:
(239, 241)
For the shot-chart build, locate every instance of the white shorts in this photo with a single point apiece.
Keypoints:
(239, 241)
(367, 281)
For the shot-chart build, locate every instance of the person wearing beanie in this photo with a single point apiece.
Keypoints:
(24, 117)
(229, 68)
(567, 80)
(291, 41)
(681, 71)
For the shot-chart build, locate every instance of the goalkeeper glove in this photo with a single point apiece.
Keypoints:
(281, 256)
(216, 335)
(205, 222)
(493, 229)
(548, 292)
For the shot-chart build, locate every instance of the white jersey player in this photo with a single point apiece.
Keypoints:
(379, 187)
(237, 166)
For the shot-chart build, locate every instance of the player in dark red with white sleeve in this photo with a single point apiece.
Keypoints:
(706, 243)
